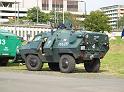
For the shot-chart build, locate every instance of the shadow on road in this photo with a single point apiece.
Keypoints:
(21, 68)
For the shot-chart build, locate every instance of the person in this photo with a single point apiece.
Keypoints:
(122, 34)
(62, 26)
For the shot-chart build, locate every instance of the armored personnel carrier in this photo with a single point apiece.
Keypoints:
(65, 48)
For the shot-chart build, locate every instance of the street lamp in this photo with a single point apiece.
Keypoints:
(55, 11)
(15, 15)
(18, 13)
(37, 13)
(63, 16)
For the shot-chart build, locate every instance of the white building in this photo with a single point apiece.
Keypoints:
(10, 9)
(73, 6)
(114, 12)
(18, 8)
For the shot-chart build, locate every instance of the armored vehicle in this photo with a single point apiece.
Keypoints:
(65, 48)
(9, 44)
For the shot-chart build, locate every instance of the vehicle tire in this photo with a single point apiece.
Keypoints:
(67, 64)
(33, 63)
(92, 66)
(54, 66)
(4, 62)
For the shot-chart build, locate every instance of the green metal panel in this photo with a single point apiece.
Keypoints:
(8, 44)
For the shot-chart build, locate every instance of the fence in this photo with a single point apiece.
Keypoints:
(29, 32)
(26, 32)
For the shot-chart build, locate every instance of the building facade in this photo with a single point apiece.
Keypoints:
(114, 12)
(11, 9)
(72, 6)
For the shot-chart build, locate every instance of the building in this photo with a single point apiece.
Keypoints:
(72, 6)
(114, 12)
(11, 9)
(18, 8)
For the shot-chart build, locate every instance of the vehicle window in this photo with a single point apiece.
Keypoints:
(37, 38)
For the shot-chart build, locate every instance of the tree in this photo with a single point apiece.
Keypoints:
(121, 22)
(32, 15)
(50, 17)
(97, 21)
(73, 19)
(67, 16)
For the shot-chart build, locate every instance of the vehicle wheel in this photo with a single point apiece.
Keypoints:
(92, 66)
(67, 64)
(54, 66)
(4, 62)
(33, 63)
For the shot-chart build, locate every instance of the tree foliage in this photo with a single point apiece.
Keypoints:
(97, 21)
(50, 17)
(32, 15)
(121, 22)
(67, 16)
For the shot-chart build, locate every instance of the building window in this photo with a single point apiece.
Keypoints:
(72, 6)
(45, 4)
(58, 4)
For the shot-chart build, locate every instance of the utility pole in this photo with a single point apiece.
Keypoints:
(18, 12)
(15, 16)
(63, 13)
(37, 13)
(55, 12)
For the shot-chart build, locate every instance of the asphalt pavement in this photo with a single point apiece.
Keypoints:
(28, 82)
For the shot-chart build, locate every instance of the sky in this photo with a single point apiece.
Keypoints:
(96, 4)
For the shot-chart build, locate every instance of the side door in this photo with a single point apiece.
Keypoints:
(48, 47)
(36, 42)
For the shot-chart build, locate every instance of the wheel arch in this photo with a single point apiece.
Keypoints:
(71, 54)
(26, 54)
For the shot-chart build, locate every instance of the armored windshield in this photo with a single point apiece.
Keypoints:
(37, 38)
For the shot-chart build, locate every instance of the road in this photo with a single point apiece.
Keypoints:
(28, 82)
